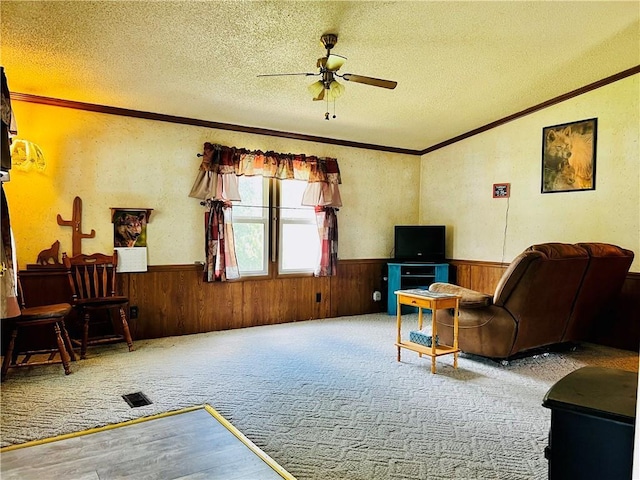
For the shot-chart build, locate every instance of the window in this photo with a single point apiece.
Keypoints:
(251, 225)
(256, 219)
(298, 233)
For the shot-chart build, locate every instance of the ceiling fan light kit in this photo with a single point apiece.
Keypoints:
(316, 89)
(319, 91)
(328, 88)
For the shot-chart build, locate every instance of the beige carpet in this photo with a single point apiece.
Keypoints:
(326, 399)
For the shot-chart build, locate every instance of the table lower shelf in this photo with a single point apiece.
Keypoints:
(423, 349)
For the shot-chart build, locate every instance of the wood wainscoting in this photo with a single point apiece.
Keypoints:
(173, 299)
(479, 276)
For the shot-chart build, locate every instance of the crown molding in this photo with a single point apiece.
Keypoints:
(91, 107)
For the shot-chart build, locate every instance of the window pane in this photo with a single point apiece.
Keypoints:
(250, 247)
(300, 247)
(253, 193)
(291, 192)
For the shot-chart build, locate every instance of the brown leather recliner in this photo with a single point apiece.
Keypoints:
(550, 294)
(602, 283)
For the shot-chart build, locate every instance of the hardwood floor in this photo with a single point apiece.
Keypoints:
(193, 444)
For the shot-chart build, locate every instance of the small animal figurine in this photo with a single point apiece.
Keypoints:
(50, 255)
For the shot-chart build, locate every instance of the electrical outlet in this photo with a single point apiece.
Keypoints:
(318, 297)
(133, 312)
(377, 296)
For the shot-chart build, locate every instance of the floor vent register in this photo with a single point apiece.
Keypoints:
(137, 399)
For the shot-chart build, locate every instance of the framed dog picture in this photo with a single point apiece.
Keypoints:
(569, 156)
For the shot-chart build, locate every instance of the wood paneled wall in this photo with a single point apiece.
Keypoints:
(479, 276)
(362, 277)
(173, 299)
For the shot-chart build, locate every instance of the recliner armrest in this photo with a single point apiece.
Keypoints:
(470, 298)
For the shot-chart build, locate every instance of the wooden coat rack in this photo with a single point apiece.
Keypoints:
(76, 224)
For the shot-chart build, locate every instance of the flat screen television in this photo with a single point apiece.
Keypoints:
(420, 243)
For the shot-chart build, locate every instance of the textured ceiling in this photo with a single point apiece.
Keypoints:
(459, 65)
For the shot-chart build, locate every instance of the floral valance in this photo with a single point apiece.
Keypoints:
(221, 159)
(220, 165)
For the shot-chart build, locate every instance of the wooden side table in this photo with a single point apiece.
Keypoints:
(433, 301)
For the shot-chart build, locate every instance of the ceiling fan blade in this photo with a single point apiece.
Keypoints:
(286, 74)
(376, 82)
(334, 62)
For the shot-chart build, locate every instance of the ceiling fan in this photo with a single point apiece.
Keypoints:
(327, 88)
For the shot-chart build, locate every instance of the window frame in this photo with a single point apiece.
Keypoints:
(272, 222)
(281, 221)
(265, 220)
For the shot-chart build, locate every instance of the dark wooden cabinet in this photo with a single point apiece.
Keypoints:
(592, 424)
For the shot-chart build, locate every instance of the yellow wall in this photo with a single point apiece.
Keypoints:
(112, 161)
(457, 182)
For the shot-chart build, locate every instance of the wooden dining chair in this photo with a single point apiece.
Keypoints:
(50, 318)
(92, 279)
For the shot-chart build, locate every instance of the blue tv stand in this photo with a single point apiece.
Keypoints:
(412, 275)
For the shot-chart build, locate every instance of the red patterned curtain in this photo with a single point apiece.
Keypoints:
(221, 166)
(221, 263)
(328, 230)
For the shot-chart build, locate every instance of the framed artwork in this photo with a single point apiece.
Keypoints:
(501, 190)
(130, 227)
(569, 156)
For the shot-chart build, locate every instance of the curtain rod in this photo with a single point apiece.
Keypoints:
(204, 204)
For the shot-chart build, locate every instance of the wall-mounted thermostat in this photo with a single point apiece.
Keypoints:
(501, 190)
